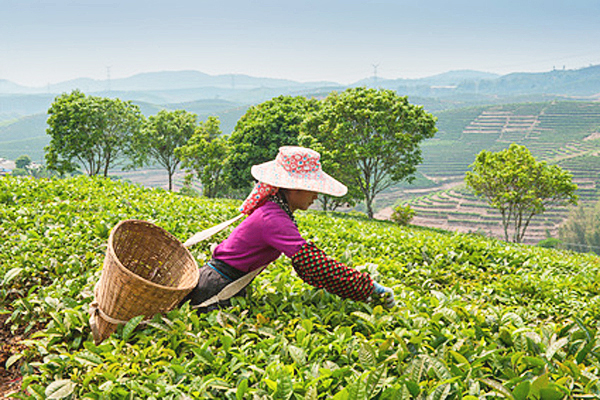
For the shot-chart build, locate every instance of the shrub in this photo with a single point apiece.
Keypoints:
(550, 243)
(403, 214)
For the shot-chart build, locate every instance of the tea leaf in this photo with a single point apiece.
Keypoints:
(311, 393)
(366, 355)
(11, 274)
(242, 388)
(497, 387)
(554, 347)
(285, 387)
(130, 326)
(441, 392)
(358, 389)
(297, 354)
(521, 391)
(60, 389)
(12, 359)
(89, 358)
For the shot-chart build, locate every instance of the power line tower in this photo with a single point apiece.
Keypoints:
(375, 74)
(108, 78)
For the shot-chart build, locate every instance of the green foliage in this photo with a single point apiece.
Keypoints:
(204, 156)
(23, 161)
(550, 243)
(581, 230)
(519, 186)
(163, 133)
(373, 135)
(260, 133)
(403, 214)
(332, 165)
(19, 172)
(476, 318)
(93, 132)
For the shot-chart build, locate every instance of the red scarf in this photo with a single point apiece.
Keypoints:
(257, 197)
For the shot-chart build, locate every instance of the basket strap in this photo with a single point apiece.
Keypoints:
(205, 234)
(234, 287)
(96, 311)
(231, 289)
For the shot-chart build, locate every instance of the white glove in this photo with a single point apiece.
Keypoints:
(386, 293)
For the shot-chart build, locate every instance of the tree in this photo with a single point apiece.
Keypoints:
(261, 131)
(330, 162)
(23, 162)
(581, 231)
(204, 156)
(161, 135)
(88, 131)
(373, 135)
(519, 186)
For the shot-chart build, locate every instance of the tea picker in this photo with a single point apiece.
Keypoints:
(290, 182)
(148, 271)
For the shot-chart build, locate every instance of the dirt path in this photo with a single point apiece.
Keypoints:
(10, 380)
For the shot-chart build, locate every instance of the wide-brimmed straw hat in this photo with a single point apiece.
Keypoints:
(298, 168)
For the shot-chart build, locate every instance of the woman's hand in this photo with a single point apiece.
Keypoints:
(385, 293)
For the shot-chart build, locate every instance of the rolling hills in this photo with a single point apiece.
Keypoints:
(554, 114)
(563, 133)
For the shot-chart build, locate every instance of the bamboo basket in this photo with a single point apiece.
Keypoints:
(146, 271)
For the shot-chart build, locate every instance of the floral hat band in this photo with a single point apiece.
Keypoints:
(298, 163)
(298, 168)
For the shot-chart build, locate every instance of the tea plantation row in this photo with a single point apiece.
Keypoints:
(476, 318)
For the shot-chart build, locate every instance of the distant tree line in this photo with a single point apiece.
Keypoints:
(368, 139)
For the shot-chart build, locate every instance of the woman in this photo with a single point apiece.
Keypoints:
(290, 182)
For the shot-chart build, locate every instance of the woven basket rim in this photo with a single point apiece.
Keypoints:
(136, 276)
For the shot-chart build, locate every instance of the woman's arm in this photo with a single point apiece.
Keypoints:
(317, 269)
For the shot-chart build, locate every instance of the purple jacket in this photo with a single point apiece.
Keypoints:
(260, 239)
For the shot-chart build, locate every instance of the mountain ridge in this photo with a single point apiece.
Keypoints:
(191, 85)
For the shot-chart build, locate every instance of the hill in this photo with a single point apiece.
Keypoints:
(563, 133)
(163, 80)
(581, 82)
(25, 136)
(476, 318)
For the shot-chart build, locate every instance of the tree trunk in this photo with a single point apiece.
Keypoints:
(369, 204)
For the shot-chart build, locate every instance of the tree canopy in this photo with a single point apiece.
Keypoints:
(204, 156)
(161, 135)
(23, 161)
(92, 132)
(519, 186)
(373, 136)
(261, 131)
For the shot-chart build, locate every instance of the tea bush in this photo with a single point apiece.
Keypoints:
(476, 318)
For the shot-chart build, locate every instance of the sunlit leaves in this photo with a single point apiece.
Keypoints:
(476, 318)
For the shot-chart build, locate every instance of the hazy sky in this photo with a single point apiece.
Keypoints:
(45, 41)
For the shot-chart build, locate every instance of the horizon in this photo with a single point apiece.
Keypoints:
(100, 80)
(51, 41)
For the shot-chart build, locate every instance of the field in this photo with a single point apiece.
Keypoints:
(563, 133)
(476, 317)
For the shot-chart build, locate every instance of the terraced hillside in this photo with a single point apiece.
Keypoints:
(552, 130)
(459, 210)
(563, 133)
